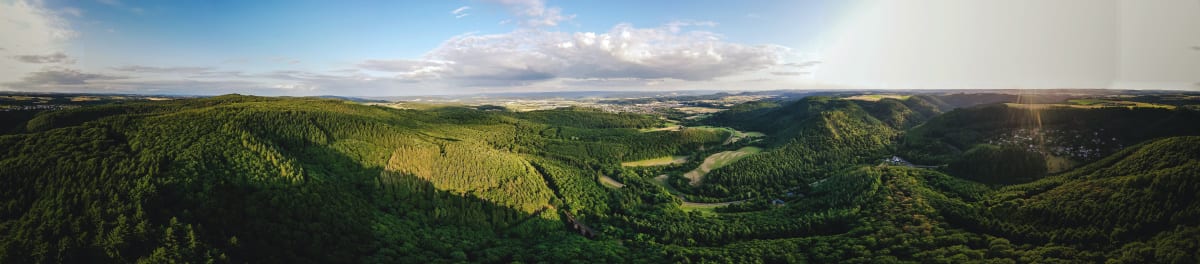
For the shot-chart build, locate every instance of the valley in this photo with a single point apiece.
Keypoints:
(550, 131)
(238, 178)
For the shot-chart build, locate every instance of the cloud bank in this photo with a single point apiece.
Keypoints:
(536, 54)
(624, 51)
(29, 32)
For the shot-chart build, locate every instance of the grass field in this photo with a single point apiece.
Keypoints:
(1091, 103)
(686, 206)
(1111, 103)
(706, 208)
(734, 135)
(610, 182)
(661, 180)
(1056, 164)
(666, 160)
(667, 125)
(877, 97)
(667, 128)
(698, 110)
(712, 128)
(718, 160)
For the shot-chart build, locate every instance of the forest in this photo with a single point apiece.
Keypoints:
(247, 179)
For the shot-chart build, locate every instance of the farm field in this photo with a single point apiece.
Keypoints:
(1091, 104)
(698, 110)
(877, 97)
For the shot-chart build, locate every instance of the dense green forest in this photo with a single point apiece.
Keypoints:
(235, 179)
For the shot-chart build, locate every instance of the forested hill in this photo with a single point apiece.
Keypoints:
(809, 138)
(258, 179)
(1149, 191)
(1002, 143)
(244, 179)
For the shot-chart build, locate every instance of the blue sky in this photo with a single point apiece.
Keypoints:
(377, 48)
(331, 32)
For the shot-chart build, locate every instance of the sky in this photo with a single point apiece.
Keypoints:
(386, 48)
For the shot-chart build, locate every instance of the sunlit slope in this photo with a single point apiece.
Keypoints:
(253, 179)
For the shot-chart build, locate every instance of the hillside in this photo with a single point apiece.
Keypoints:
(1137, 193)
(250, 179)
(234, 179)
(970, 140)
(808, 139)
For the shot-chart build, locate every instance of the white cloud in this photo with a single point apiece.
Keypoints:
(460, 12)
(534, 13)
(57, 76)
(623, 56)
(28, 29)
(675, 26)
(57, 57)
(625, 51)
(789, 73)
(169, 70)
(533, 57)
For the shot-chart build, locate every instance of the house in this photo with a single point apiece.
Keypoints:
(778, 202)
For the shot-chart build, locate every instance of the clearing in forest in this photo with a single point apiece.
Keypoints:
(877, 97)
(1056, 164)
(703, 207)
(666, 160)
(734, 134)
(610, 182)
(718, 160)
(670, 127)
(686, 206)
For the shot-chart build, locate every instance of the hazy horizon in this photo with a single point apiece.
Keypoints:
(375, 49)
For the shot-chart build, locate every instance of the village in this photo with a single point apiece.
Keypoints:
(1077, 145)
